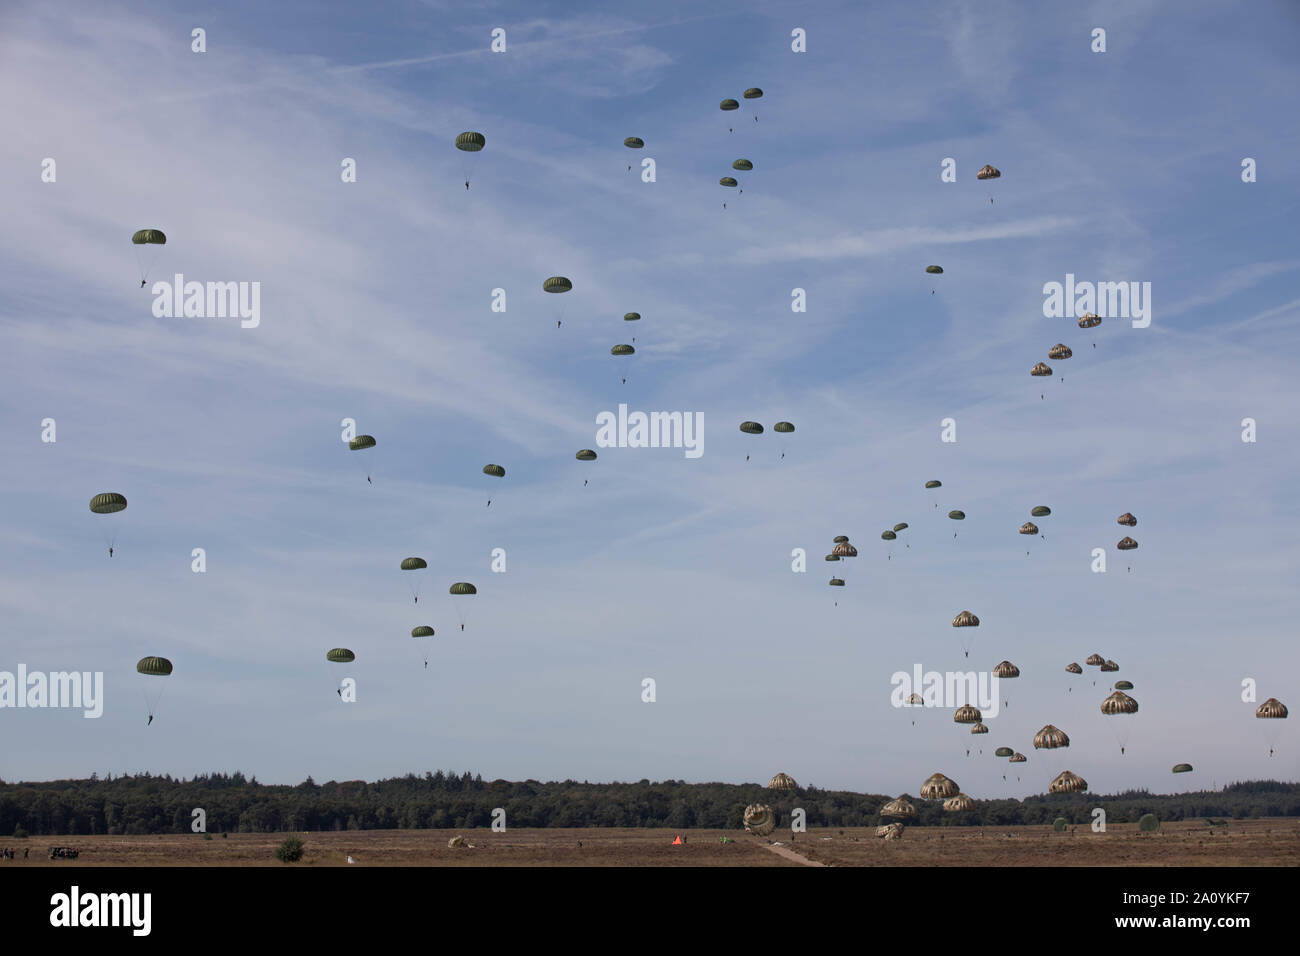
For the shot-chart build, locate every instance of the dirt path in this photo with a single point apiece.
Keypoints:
(790, 854)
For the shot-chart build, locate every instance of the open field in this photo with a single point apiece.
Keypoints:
(1272, 842)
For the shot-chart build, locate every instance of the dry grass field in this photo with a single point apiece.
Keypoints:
(1274, 842)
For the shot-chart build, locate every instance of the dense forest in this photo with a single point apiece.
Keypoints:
(145, 804)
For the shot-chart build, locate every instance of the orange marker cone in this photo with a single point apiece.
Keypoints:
(678, 841)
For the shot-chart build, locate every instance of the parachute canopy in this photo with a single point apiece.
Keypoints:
(1074, 668)
(1271, 709)
(586, 454)
(934, 270)
(1119, 703)
(957, 515)
(728, 105)
(622, 350)
(988, 172)
(496, 471)
(631, 316)
(1006, 669)
(1050, 737)
(1095, 660)
(634, 142)
(1123, 685)
(422, 631)
(939, 787)
(759, 819)
(1067, 782)
(1126, 544)
(470, 142)
(1003, 752)
(888, 536)
(557, 284)
(1182, 768)
(1127, 519)
(754, 428)
(743, 165)
(1089, 320)
(1029, 528)
(934, 484)
(782, 781)
(1059, 351)
(413, 564)
(979, 728)
(154, 666)
(783, 427)
(1109, 665)
(837, 582)
(1018, 757)
(1041, 511)
(362, 441)
(959, 803)
(967, 714)
(753, 93)
(965, 619)
(727, 181)
(462, 587)
(340, 655)
(1041, 370)
(107, 503)
(150, 237)
(902, 525)
(898, 808)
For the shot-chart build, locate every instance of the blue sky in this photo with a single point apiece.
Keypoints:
(376, 305)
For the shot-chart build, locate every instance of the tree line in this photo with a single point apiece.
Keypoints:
(148, 804)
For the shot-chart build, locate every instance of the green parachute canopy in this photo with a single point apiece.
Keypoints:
(832, 557)
(751, 428)
(154, 666)
(557, 284)
(422, 631)
(728, 105)
(837, 582)
(888, 536)
(622, 350)
(151, 237)
(496, 471)
(934, 484)
(470, 142)
(1004, 752)
(743, 165)
(634, 142)
(957, 515)
(340, 655)
(934, 270)
(1182, 768)
(1041, 511)
(1123, 685)
(784, 427)
(753, 93)
(727, 181)
(362, 441)
(462, 587)
(413, 564)
(586, 454)
(631, 316)
(902, 525)
(107, 503)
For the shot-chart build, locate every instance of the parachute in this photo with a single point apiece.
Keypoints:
(900, 808)
(632, 317)
(1126, 544)
(1041, 511)
(413, 564)
(837, 582)
(340, 655)
(110, 502)
(1108, 665)
(1006, 670)
(957, 515)
(888, 536)
(959, 803)
(979, 728)
(727, 181)
(1127, 519)
(934, 484)
(422, 631)
(1018, 758)
(989, 172)
(154, 667)
(1089, 320)
(832, 557)
(1050, 738)
(1041, 370)
(967, 714)
(462, 587)
(727, 105)
(470, 142)
(1271, 709)
(1095, 660)
(965, 619)
(754, 428)
(939, 787)
(146, 242)
(901, 526)
(759, 819)
(586, 454)
(784, 427)
(840, 538)
(622, 350)
(1182, 768)
(1029, 528)
(782, 781)
(1123, 685)
(1003, 752)
(1067, 782)
(557, 284)
(844, 550)
(496, 471)
(934, 270)
(743, 165)
(1074, 668)
(914, 700)
(634, 142)
(362, 442)
(1119, 703)
(1059, 351)
(753, 93)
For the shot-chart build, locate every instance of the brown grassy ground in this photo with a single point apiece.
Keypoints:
(1192, 843)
